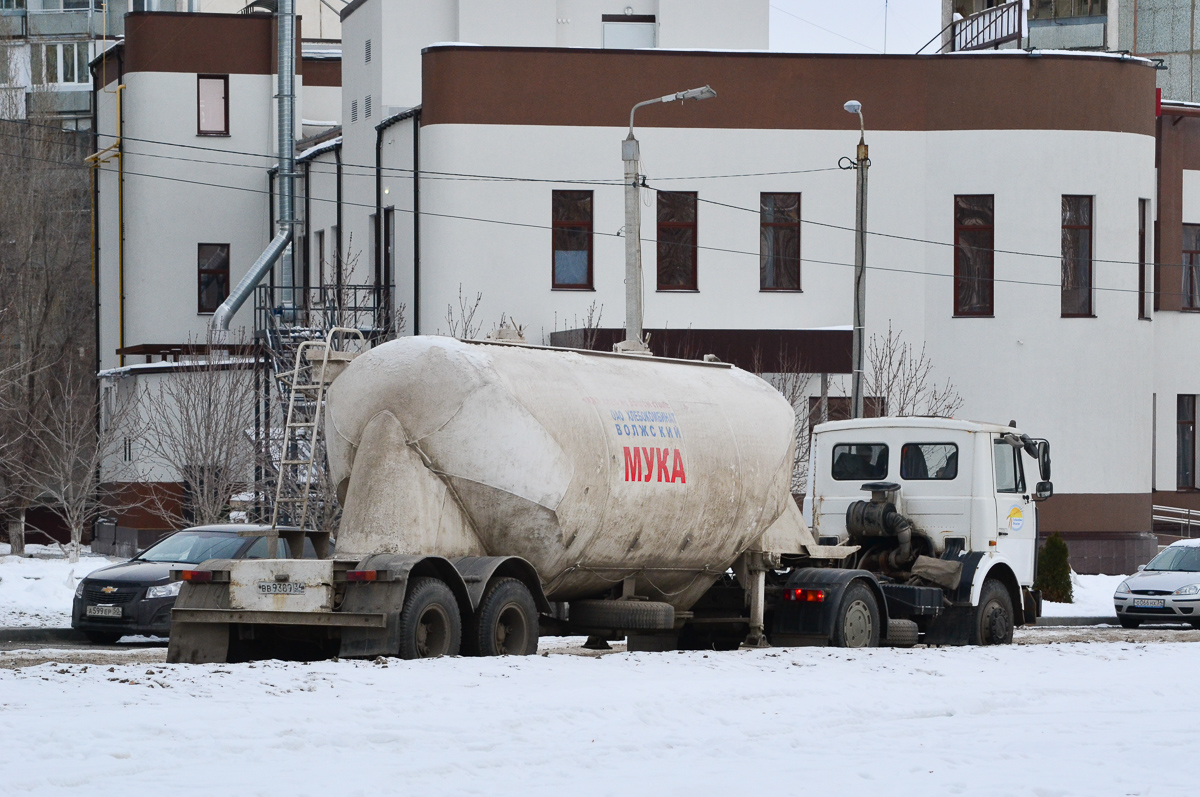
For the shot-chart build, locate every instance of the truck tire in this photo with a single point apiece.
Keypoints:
(623, 615)
(507, 621)
(902, 633)
(994, 617)
(857, 624)
(430, 624)
(1127, 622)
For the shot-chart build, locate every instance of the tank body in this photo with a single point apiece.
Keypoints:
(592, 467)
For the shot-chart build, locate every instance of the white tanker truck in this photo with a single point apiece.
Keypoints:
(493, 492)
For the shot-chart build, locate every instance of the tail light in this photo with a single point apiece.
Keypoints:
(196, 576)
(804, 595)
(365, 575)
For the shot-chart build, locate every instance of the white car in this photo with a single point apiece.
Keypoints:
(1165, 591)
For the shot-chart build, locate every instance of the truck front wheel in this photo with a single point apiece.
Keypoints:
(507, 621)
(430, 624)
(994, 617)
(857, 624)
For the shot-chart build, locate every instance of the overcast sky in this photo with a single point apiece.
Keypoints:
(853, 26)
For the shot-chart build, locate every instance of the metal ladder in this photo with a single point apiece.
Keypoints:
(302, 429)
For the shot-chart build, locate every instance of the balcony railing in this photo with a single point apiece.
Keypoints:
(988, 28)
(320, 308)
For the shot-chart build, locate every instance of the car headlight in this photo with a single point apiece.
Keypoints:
(79, 589)
(165, 591)
(1190, 589)
(1124, 587)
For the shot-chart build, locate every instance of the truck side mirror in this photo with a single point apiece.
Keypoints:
(1044, 491)
(1043, 458)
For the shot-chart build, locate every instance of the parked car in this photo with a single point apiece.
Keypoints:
(1165, 591)
(136, 597)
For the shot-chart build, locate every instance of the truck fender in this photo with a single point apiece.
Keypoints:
(833, 581)
(479, 571)
(1002, 571)
(387, 597)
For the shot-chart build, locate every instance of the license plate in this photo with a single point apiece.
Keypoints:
(1149, 603)
(104, 611)
(280, 588)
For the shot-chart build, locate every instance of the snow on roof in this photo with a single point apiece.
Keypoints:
(915, 422)
(324, 146)
(167, 367)
(1192, 543)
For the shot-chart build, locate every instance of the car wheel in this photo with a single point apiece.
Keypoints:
(102, 637)
(857, 624)
(507, 621)
(994, 617)
(430, 624)
(1127, 622)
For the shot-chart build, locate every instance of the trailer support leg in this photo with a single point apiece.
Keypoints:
(756, 573)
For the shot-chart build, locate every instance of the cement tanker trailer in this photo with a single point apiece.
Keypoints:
(493, 492)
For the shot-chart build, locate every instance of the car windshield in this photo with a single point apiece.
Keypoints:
(1180, 559)
(194, 547)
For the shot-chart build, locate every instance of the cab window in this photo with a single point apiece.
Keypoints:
(1010, 478)
(860, 461)
(925, 461)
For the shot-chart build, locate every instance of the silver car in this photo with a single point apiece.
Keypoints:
(1165, 591)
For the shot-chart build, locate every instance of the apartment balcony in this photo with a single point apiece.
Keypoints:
(70, 18)
(987, 29)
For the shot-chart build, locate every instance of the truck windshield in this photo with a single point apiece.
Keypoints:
(1010, 477)
(859, 461)
(194, 547)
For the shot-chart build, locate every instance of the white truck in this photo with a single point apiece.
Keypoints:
(494, 492)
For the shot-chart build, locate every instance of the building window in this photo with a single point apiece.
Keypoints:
(677, 241)
(974, 255)
(1143, 255)
(571, 221)
(1191, 266)
(1076, 256)
(57, 64)
(629, 31)
(213, 268)
(319, 258)
(212, 103)
(1067, 9)
(1185, 442)
(779, 242)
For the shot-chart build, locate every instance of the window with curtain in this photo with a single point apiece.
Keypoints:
(1076, 256)
(1191, 267)
(571, 235)
(1185, 442)
(213, 270)
(779, 242)
(974, 255)
(212, 100)
(677, 241)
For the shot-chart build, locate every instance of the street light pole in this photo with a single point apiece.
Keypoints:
(861, 163)
(630, 155)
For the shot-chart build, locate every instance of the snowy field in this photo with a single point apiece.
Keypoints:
(1093, 597)
(37, 590)
(1047, 719)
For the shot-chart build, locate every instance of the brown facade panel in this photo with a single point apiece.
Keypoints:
(1095, 512)
(1178, 149)
(322, 72)
(242, 44)
(1110, 554)
(567, 86)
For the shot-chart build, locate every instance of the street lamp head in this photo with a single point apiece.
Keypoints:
(702, 93)
(853, 106)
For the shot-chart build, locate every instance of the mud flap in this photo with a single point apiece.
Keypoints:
(386, 598)
(198, 643)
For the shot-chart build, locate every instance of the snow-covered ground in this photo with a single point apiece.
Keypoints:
(1061, 719)
(37, 590)
(1093, 597)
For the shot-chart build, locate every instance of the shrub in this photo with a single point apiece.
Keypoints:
(1054, 571)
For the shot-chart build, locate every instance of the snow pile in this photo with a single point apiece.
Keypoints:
(37, 590)
(1038, 719)
(1093, 598)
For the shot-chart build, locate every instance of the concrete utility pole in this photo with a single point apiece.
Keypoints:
(860, 164)
(630, 155)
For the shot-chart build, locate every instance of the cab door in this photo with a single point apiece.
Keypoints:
(1016, 529)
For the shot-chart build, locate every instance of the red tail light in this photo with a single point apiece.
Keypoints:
(196, 576)
(362, 575)
(804, 595)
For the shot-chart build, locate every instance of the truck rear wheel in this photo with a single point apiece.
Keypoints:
(430, 624)
(507, 621)
(857, 624)
(994, 617)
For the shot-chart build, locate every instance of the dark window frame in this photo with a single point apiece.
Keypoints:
(694, 226)
(1189, 295)
(1090, 311)
(764, 227)
(1143, 222)
(200, 131)
(960, 277)
(833, 462)
(202, 272)
(1185, 429)
(557, 224)
(904, 459)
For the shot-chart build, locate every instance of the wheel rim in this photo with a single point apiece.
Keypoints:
(995, 623)
(433, 632)
(856, 629)
(512, 631)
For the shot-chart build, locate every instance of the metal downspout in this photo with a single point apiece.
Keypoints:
(337, 154)
(416, 222)
(378, 231)
(286, 97)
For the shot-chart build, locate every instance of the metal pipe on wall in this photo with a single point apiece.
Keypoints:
(286, 98)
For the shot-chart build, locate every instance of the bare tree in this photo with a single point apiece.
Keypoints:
(463, 324)
(80, 441)
(902, 376)
(789, 375)
(199, 419)
(46, 307)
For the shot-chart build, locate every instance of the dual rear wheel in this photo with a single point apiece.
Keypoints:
(431, 623)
